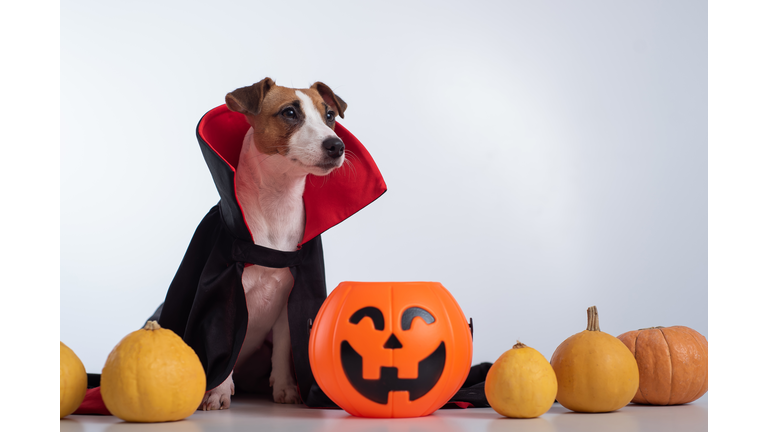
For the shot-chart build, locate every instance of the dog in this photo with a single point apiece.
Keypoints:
(291, 136)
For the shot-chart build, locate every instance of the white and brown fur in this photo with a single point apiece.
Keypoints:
(291, 135)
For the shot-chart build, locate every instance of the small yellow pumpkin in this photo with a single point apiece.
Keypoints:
(521, 383)
(74, 381)
(152, 375)
(595, 371)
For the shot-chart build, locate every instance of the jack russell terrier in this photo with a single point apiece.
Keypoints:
(291, 135)
(253, 275)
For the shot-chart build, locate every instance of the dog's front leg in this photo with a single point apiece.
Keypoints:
(281, 378)
(219, 397)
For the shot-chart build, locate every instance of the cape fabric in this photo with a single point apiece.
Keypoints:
(205, 303)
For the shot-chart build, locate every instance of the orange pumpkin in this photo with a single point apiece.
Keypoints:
(390, 349)
(672, 362)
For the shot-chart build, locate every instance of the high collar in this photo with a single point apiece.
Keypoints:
(327, 200)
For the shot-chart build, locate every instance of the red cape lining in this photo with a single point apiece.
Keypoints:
(327, 200)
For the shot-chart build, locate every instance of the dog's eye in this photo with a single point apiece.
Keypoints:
(330, 115)
(289, 112)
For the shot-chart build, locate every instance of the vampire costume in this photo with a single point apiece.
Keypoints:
(205, 303)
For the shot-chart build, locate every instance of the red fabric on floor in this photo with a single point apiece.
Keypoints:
(93, 403)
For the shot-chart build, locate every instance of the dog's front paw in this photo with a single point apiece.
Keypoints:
(285, 394)
(283, 389)
(220, 397)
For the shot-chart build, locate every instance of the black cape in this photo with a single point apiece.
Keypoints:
(205, 304)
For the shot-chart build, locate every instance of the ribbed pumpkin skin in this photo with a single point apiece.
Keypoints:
(74, 381)
(521, 383)
(152, 376)
(673, 364)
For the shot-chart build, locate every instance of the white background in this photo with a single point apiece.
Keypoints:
(541, 157)
(31, 197)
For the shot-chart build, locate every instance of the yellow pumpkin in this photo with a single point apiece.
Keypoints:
(521, 383)
(74, 381)
(152, 375)
(595, 371)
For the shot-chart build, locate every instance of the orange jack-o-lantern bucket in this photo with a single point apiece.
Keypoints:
(390, 349)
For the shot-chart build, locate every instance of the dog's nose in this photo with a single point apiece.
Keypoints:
(334, 147)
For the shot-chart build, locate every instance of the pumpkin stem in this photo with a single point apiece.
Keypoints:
(519, 345)
(653, 328)
(152, 325)
(593, 323)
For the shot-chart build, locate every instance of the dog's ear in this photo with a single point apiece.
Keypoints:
(330, 98)
(247, 100)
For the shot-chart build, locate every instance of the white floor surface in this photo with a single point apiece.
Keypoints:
(249, 413)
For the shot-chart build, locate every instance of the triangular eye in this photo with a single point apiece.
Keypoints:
(371, 312)
(412, 313)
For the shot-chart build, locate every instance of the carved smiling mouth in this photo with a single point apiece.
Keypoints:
(377, 390)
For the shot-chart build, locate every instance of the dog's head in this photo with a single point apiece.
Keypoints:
(295, 123)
